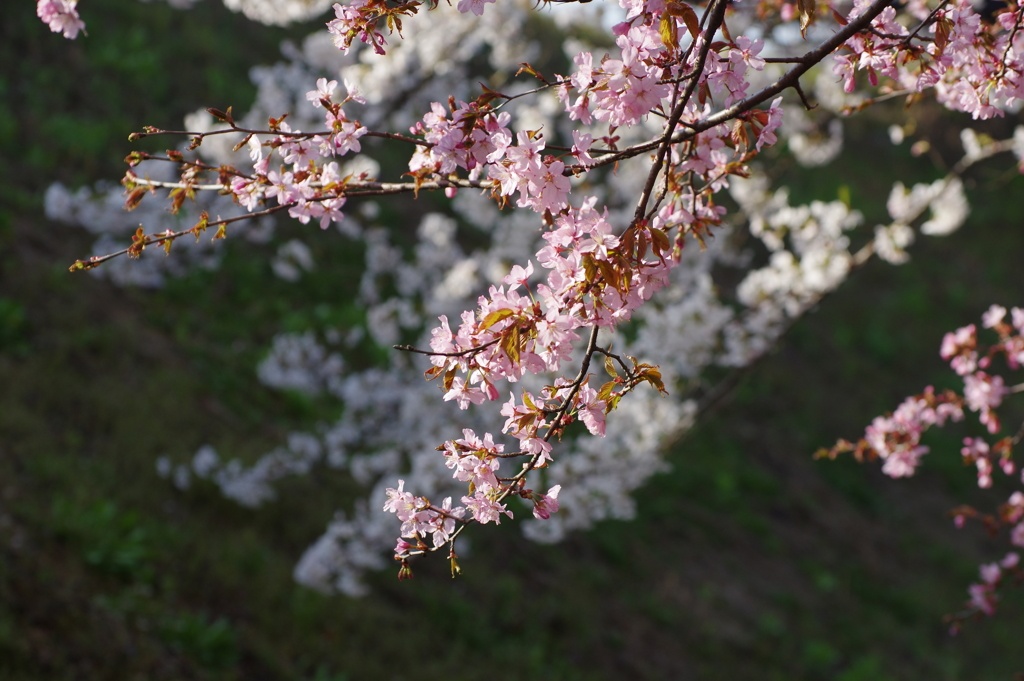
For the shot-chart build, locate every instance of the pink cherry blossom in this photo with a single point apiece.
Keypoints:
(990, 573)
(982, 598)
(959, 349)
(61, 16)
(747, 51)
(993, 316)
(445, 522)
(351, 22)
(474, 6)
(767, 135)
(591, 410)
(324, 90)
(546, 504)
(484, 509)
(984, 393)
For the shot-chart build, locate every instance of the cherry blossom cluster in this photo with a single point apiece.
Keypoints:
(682, 86)
(61, 16)
(973, 65)
(471, 139)
(896, 438)
(983, 594)
(359, 20)
(596, 278)
(983, 392)
(420, 518)
(308, 190)
(307, 186)
(620, 91)
(474, 460)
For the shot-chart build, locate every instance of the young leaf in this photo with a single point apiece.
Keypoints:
(653, 376)
(807, 9)
(495, 317)
(510, 343)
(449, 378)
(134, 198)
(606, 391)
(667, 29)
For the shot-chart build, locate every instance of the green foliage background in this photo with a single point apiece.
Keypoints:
(748, 561)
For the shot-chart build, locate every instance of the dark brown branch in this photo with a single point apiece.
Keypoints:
(717, 16)
(929, 19)
(803, 97)
(461, 353)
(150, 240)
(804, 63)
(275, 133)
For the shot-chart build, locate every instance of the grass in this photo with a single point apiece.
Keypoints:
(747, 560)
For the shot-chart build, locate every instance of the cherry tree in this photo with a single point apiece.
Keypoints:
(609, 194)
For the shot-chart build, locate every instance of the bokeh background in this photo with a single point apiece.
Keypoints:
(748, 560)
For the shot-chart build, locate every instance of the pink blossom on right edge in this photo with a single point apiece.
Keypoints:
(984, 393)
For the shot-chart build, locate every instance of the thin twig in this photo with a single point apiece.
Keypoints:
(461, 353)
